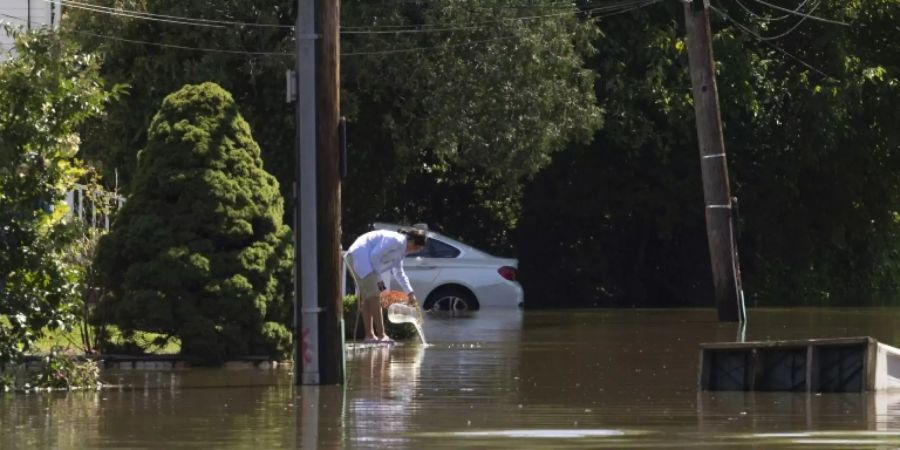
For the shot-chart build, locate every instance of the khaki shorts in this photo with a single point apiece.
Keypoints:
(367, 287)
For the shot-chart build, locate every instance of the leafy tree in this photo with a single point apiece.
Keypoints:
(199, 251)
(448, 133)
(144, 54)
(621, 220)
(461, 122)
(818, 172)
(473, 113)
(812, 152)
(47, 89)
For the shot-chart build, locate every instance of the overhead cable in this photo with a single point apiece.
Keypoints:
(181, 20)
(802, 14)
(362, 53)
(185, 47)
(623, 5)
(633, 6)
(620, 5)
(747, 30)
(796, 25)
(790, 30)
(13, 17)
(432, 47)
(769, 19)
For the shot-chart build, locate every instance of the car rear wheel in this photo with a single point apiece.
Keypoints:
(451, 299)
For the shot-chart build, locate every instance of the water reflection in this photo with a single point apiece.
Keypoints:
(151, 415)
(321, 410)
(768, 412)
(491, 379)
(384, 381)
(601, 379)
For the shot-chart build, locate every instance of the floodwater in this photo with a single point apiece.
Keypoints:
(495, 379)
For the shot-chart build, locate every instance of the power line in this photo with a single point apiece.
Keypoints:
(612, 10)
(769, 19)
(180, 20)
(632, 5)
(185, 47)
(285, 54)
(12, 17)
(796, 25)
(375, 52)
(133, 14)
(442, 27)
(804, 15)
(345, 30)
(747, 30)
(638, 5)
(790, 30)
(433, 47)
(527, 4)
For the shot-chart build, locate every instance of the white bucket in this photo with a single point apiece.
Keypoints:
(400, 313)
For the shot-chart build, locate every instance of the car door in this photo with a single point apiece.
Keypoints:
(433, 260)
(423, 267)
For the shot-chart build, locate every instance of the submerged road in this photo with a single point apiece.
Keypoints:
(494, 379)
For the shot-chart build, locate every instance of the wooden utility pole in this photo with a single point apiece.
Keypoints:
(331, 345)
(319, 356)
(713, 164)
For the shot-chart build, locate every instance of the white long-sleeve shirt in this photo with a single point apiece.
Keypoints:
(380, 251)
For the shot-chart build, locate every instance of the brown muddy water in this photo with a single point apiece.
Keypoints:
(496, 379)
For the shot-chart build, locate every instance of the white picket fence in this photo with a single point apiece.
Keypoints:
(94, 207)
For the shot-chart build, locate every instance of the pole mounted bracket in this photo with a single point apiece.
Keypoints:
(290, 93)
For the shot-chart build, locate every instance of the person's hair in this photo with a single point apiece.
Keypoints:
(417, 236)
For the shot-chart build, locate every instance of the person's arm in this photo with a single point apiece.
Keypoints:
(384, 281)
(394, 250)
(400, 276)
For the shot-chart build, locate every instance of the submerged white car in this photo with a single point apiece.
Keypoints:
(451, 276)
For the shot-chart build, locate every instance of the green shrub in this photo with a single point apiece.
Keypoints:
(58, 370)
(199, 251)
(65, 371)
(48, 89)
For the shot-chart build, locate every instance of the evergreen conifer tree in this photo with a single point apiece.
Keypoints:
(199, 251)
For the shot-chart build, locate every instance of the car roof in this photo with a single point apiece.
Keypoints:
(467, 249)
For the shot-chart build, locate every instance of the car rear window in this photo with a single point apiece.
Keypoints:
(437, 249)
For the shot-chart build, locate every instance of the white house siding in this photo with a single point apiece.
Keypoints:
(22, 13)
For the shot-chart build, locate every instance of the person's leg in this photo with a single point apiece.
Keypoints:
(360, 304)
(378, 319)
(368, 300)
(348, 259)
(372, 315)
(367, 319)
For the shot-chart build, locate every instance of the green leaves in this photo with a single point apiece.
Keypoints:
(465, 116)
(812, 151)
(153, 71)
(47, 90)
(495, 95)
(197, 250)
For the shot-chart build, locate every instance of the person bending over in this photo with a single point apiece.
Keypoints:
(371, 255)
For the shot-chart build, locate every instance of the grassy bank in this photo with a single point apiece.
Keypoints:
(71, 342)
